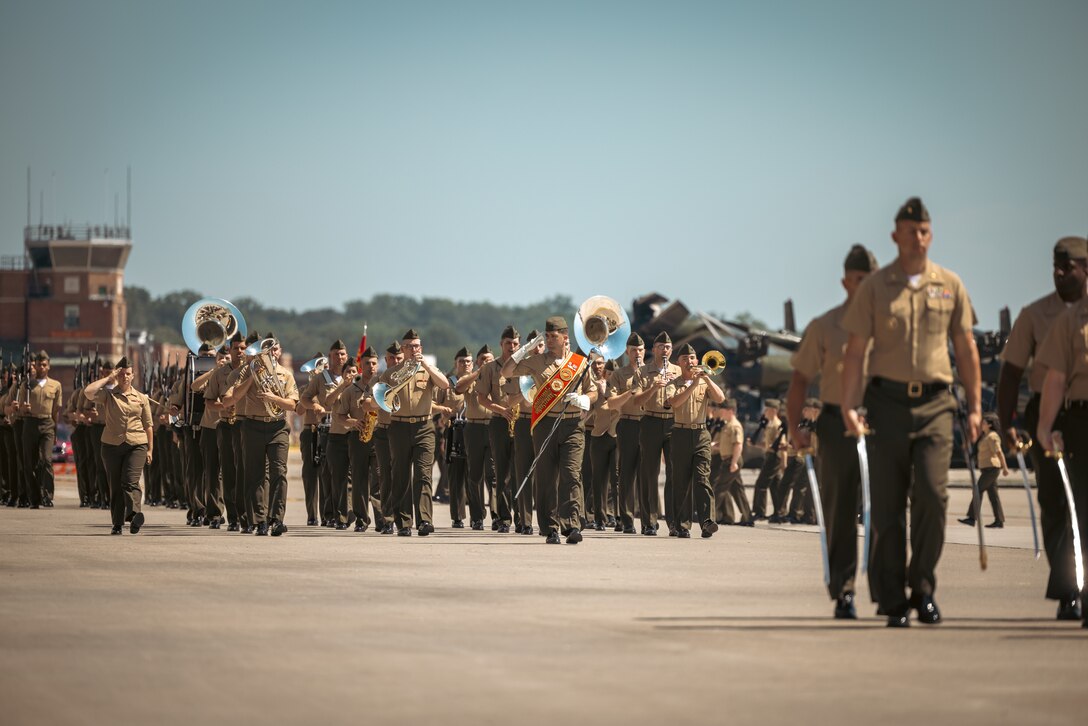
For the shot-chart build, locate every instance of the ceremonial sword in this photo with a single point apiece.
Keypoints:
(866, 501)
(1020, 446)
(818, 505)
(1078, 556)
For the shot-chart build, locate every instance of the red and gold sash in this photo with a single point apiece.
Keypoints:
(557, 386)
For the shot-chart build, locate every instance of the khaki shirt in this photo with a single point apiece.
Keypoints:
(318, 389)
(474, 411)
(1065, 349)
(415, 398)
(541, 366)
(127, 416)
(693, 408)
(623, 380)
(332, 403)
(45, 398)
(5, 401)
(770, 433)
(910, 327)
(730, 435)
(504, 391)
(242, 407)
(656, 403)
(1027, 335)
(217, 387)
(351, 402)
(821, 353)
(257, 408)
(989, 451)
(72, 408)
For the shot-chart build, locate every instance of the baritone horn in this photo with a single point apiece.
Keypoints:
(712, 363)
(211, 321)
(601, 326)
(314, 365)
(385, 395)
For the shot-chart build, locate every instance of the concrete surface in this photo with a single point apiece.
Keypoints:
(178, 625)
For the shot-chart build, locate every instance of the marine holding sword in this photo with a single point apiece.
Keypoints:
(908, 311)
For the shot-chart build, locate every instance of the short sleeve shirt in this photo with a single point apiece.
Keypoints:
(909, 326)
(625, 379)
(415, 398)
(1065, 349)
(692, 410)
(730, 435)
(821, 352)
(45, 398)
(656, 403)
(127, 416)
(541, 366)
(988, 451)
(1027, 334)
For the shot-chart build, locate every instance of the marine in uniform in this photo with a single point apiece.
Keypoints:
(411, 435)
(338, 453)
(452, 409)
(228, 437)
(1064, 352)
(39, 403)
(693, 498)
(8, 465)
(800, 509)
(820, 356)
(1070, 274)
(563, 392)
(394, 356)
(477, 432)
(908, 311)
(127, 443)
(352, 413)
(991, 463)
(521, 408)
(655, 384)
(774, 461)
(602, 449)
(315, 430)
(625, 386)
(729, 488)
(79, 444)
(266, 438)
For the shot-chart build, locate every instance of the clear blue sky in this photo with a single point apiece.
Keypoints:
(307, 153)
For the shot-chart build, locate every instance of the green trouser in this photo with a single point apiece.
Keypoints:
(502, 452)
(214, 506)
(987, 484)
(839, 479)
(385, 470)
(339, 459)
(910, 450)
(627, 461)
(20, 491)
(79, 455)
(241, 492)
(193, 466)
(654, 443)
(312, 492)
(124, 463)
(480, 475)
(324, 475)
(602, 450)
(9, 459)
(585, 505)
(266, 444)
(1076, 443)
(692, 496)
(227, 435)
(729, 488)
(1053, 510)
(38, 437)
(163, 460)
(524, 451)
(558, 475)
(770, 477)
(800, 504)
(780, 495)
(456, 473)
(411, 446)
(364, 487)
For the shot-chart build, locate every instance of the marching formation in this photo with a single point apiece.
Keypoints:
(556, 438)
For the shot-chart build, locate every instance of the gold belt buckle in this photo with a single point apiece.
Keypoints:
(914, 389)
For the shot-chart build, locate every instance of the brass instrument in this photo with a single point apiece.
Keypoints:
(601, 326)
(314, 365)
(212, 321)
(712, 363)
(263, 368)
(516, 411)
(369, 419)
(386, 395)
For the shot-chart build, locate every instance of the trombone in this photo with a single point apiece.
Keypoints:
(712, 363)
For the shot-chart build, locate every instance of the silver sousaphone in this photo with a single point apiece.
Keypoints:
(601, 326)
(211, 321)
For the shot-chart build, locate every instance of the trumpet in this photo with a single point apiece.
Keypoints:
(712, 363)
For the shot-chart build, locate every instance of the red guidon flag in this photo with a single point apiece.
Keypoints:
(557, 386)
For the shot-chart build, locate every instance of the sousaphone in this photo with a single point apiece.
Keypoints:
(601, 326)
(211, 321)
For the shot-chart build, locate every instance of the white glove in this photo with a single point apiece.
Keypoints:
(522, 353)
(580, 400)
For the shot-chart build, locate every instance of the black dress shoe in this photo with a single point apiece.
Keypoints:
(574, 537)
(650, 531)
(458, 524)
(248, 529)
(311, 522)
(899, 621)
(995, 525)
(611, 522)
(232, 527)
(83, 504)
(928, 611)
(709, 528)
(478, 525)
(341, 525)
(681, 533)
(388, 528)
(749, 523)
(278, 528)
(619, 527)
(137, 522)
(1069, 608)
(629, 530)
(774, 519)
(553, 538)
(844, 607)
(359, 526)
(262, 529)
(504, 528)
(115, 530)
(216, 523)
(425, 529)
(404, 532)
(968, 521)
(527, 529)
(494, 525)
(673, 532)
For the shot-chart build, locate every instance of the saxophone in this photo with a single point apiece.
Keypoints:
(515, 410)
(232, 415)
(367, 433)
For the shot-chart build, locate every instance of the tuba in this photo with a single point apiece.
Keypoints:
(263, 370)
(601, 326)
(385, 395)
(712, 363)
(314, 365)
(211, 321)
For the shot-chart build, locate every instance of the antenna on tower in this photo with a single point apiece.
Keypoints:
(128, 203)
(28, 196)
(41, 207)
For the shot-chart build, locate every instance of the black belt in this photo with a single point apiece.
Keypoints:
(831, 408)
(913, 389)
(1077, 405)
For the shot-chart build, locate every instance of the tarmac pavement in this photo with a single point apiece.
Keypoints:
(178, 625)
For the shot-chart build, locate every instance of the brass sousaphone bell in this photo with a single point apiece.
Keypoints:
(601, 326)
(211, 321)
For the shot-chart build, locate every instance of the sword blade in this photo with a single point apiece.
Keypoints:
(1031, 504)
(1078, 556)
(866, 502)
(817, 503)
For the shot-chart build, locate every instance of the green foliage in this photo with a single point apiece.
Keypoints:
(444, 325)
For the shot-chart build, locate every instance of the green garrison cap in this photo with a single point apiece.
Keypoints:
(860, 260)
(1073, 248)
(914, 210)
(555, 324)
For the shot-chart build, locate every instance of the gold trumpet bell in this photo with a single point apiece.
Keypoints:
(712, 362)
